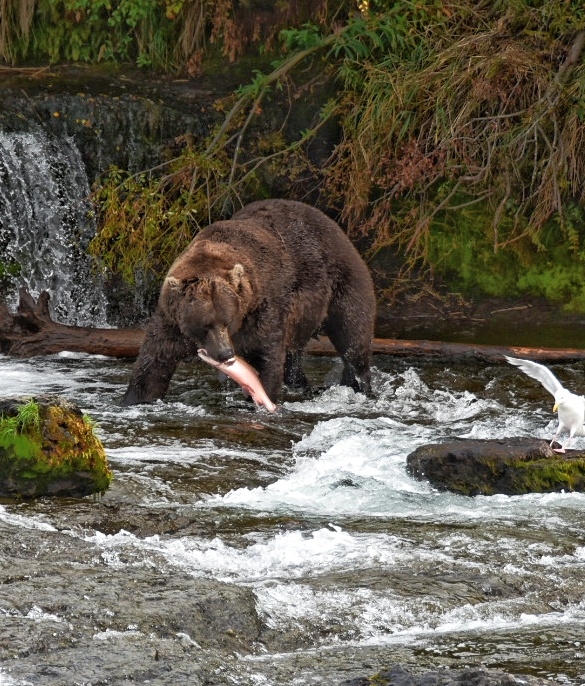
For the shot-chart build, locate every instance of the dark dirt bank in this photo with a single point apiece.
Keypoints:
(429, 314)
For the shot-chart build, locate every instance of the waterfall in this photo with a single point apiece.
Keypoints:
(46, 225)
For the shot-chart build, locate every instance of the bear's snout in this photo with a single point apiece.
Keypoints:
(224, 354)
(219, 345)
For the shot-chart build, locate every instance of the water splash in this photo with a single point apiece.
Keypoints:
(46, 225)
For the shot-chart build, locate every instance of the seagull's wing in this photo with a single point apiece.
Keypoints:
(538, 372)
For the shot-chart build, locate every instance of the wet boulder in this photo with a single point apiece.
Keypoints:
(511, 466)
(48, 447)
(399, 676)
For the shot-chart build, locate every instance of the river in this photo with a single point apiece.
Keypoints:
(352, 565)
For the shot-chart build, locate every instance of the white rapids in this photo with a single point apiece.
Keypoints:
(344, 545)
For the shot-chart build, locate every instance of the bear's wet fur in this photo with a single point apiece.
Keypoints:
(260, 285)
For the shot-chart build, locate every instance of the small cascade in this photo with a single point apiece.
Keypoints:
(46, 226)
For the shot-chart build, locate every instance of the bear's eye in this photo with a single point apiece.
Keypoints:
(201, 331)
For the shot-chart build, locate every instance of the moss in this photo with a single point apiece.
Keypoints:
(15, 431)
(49, 447)
(22, 446)
(545, 476)
(462, 248)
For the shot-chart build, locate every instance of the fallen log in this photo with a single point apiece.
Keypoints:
(404, 348)
(31, 332)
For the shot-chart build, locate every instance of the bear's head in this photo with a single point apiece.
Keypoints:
(208, 310)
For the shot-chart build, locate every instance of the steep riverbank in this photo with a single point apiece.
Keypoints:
(435, 313)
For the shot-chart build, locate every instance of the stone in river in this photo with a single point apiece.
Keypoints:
(511, 466)
(473, 676)
(48, 447)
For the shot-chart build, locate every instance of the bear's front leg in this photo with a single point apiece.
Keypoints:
(269, 363)
(161, 352)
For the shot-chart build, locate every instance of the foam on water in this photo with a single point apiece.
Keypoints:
(6, 680)
(360, 471)
(285, 572)
(176, 453)
(300, 554)
(378, 618)
(35, 614)
(350, 465)
(22, 521)
(290, 555)
(485, 618)
(403, 395)
(348, 468)
(21, 378)
(81, 380)
(72, 378)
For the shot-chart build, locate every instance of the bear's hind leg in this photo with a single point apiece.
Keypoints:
(294, 376)
(357, 376)
(352, 338)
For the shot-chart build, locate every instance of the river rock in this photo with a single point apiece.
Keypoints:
(511, 466)
(48, 447)
(398, 676)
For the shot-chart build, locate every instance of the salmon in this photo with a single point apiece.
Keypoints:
(243, 374)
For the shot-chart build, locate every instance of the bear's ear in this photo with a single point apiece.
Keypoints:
(173, 283)
(236, 274)
(180, 285)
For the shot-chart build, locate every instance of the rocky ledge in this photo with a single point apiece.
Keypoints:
(511, 466)
(398, 676)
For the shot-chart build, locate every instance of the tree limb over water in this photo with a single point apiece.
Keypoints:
(30, 332)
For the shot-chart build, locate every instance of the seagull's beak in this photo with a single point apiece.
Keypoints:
(556, 407)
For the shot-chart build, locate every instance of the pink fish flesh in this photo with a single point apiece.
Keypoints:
(243, 374)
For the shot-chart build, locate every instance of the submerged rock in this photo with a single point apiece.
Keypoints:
(398, 676)
(511, 466)
(48, 447)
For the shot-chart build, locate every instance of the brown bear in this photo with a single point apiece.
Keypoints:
(260, 285)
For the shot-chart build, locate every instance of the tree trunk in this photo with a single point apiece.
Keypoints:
(30, 331)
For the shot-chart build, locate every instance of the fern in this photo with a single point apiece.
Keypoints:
(28, 416)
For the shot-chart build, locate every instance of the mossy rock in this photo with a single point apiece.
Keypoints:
(48, 447)
(511, 466)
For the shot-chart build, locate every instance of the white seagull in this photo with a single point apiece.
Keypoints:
(571, 407)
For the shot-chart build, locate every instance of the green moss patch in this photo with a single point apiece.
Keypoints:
(48, 447)
(561, 473)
